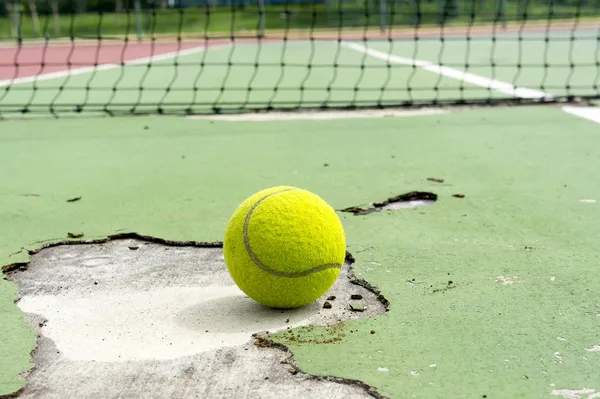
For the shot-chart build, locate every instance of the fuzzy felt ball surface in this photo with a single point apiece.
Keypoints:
(284, 247)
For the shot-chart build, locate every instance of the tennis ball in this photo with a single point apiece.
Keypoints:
(284, 247)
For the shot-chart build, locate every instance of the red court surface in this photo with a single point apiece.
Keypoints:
(26, 61)
(39, 59)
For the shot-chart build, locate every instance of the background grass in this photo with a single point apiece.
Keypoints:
(237, 19)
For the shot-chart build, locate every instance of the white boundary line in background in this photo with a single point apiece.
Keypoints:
(589, 113)
(464, 76)
(103, 67)
(319, 115)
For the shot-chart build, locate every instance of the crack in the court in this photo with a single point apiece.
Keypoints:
(402, 198)
(262, 342)
(112, 237)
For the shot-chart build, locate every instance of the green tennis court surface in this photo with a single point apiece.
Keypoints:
(477, 279)
(520, 318)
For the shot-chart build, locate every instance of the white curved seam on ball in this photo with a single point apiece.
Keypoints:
(266, 268)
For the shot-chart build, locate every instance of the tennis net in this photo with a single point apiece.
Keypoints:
(216, 56)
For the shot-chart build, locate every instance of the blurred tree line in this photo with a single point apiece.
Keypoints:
(74, 6)
(81, 6)
(444, 9)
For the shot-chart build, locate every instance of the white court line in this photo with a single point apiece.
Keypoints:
(321, 115)
(589, 113)
(464, 76)
(103, 67)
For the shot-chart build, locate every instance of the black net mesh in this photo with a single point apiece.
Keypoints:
(171, 56)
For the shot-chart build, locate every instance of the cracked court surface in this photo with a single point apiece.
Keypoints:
(520, 320)
(147, 319)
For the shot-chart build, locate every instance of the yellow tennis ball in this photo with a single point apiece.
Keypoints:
(284, 247)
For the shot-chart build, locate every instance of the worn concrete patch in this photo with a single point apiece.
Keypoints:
(167, 321)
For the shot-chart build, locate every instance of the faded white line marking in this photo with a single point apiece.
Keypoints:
(595, 348)
(559, 357)
(506, 280)
(463, 76)
(589, 113)
(317, 115)
(588, 201)
(585, 393)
